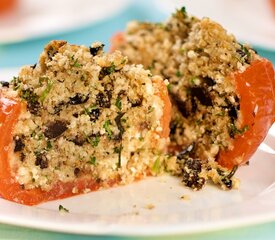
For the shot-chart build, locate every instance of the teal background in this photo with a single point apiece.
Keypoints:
(27, 52)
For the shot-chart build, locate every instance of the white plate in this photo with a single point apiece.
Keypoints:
(39, 18)
(251, 21)
(126, 210)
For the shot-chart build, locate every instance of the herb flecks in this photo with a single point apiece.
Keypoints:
(107, 128)
(92, 160)
(46, 91)
(62, 209)
(118, 150)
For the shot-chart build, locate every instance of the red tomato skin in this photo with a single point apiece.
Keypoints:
(256, 89)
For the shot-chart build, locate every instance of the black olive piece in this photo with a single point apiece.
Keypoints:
(106, 71)
(209, 81)
(136, 103)
(33, 66)
(119, 125)
(34, 107)
(79, 140)
(104, 100)
(94, 50)
(233, 113)
(173, 127)
(55, 129)
(202, 95)
(76, 172)
(41, 161)
(75, 115)
(186, 151)
(78, 99)
(5, 84)
(191, 169)
(19, 144)
(94, 114)
(181, 105)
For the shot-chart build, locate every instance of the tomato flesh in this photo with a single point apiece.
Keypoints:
(256, 88)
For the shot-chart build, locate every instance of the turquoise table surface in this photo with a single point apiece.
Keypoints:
(24, 53)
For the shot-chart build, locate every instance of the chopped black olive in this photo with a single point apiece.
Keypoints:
(107, 71)
(226, 179)
(191, 168)
(181, 105)
(75, 115)
(78, 99)
(173, 127)
(55, 129)
(94, 50)
(119, 126)
(41, 161)
(32, 101)
(94, 114)
(79, 140)
(209, 81)
(136, 102)
(19, 144)
(202, 95)
(76, 172)
(104, 100)
(233, 113)
(5, 84)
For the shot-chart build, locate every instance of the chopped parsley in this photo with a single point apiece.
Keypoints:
(118, 151)
(233, 130)
(49, 145)
(94, 141)
(156, 167)
(62, 209)
(107, 128)
(46, 90)
(183, 11)
(118, 103)
(178, 74)
(75, 62)
(92, 160)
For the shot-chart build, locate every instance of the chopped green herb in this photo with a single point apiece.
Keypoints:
(92, 160)
(118, 103)
(49, 145)
(40, 136)
(221, 114)
(123, 120)
(183, 10)
(124, 61)
(110, 69)
(29, 96)
(169, 87)
(233, 130)
(156, 167)
(118, 150)
(46, 90)
(94, 141)
(107, 128)
(178, 74)
(141, 139)
(192, 80)
(16, 83)
(75, 62)
(62, 209)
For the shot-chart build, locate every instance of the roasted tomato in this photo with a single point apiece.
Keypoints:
(256, 89)
(10, 189)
